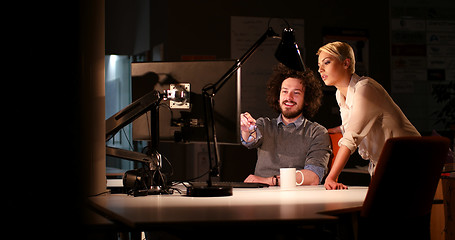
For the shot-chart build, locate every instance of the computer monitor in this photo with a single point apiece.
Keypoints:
(188, 124)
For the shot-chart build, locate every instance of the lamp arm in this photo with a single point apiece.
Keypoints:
(219, 84)
(209, 93)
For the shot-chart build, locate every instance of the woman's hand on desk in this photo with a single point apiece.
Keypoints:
(256, 179)
(331, 184)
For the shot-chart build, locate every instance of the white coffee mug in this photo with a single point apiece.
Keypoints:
(288, 178)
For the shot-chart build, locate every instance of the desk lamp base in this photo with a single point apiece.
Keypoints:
(206, 191)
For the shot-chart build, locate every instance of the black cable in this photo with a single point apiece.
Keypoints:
(270, 19)
(170, 110)
(127, 139)
(101, 193)
(192, 179)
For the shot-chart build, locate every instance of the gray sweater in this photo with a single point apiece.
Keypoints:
(302, 145)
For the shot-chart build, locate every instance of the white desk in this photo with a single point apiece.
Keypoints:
(302, 205)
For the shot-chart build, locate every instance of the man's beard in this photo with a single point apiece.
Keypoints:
(289, 113)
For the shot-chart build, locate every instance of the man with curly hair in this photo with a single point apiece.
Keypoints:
(290, 140)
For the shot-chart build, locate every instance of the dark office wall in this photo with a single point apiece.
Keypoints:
(127, 28)
(203, 27)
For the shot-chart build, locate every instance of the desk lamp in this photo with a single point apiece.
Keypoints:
(287, 53)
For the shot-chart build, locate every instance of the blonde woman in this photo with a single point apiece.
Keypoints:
(369, 115)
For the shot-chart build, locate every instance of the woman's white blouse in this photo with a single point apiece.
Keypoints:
(369, 117)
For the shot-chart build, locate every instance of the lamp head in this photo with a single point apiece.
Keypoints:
(288, 52)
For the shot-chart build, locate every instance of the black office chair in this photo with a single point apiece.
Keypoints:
(400, 196)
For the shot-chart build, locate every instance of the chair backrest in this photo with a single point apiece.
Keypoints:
(406, 178)
(334, 138)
